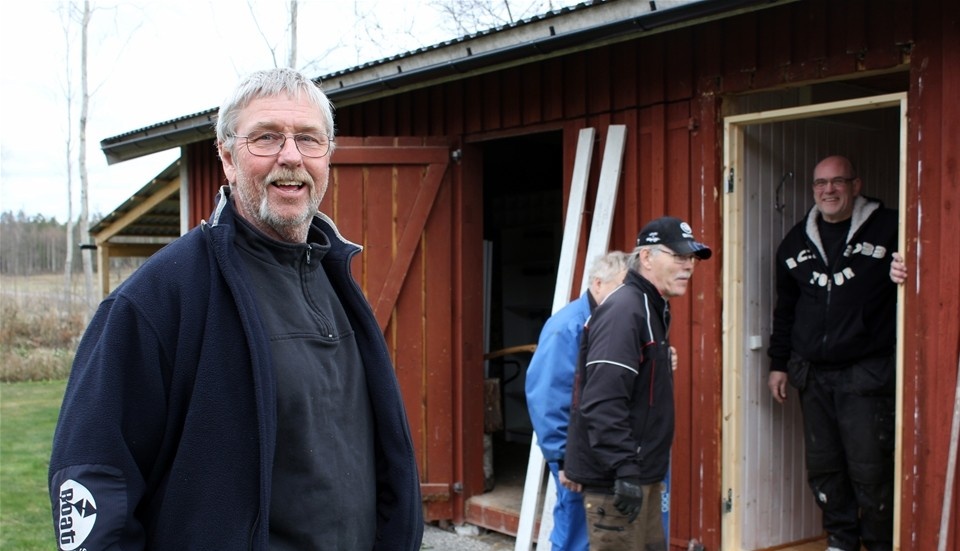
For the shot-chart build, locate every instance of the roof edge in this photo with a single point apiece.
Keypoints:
(384, 78)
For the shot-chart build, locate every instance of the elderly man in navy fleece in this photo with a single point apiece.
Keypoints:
(236, 391)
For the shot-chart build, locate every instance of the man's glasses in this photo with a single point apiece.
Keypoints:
(678, 258)
(837, 182)
(268, 144)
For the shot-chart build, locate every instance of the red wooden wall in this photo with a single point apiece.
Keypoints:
(668, 89)
(932, 294)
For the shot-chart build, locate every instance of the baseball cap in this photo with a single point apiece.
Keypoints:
(675, 234)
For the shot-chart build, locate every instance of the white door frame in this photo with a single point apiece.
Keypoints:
(733, 266)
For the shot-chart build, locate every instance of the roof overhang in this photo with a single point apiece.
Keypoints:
(571, 29)
(151, 215)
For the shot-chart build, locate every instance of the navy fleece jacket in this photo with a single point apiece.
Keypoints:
(167, 431)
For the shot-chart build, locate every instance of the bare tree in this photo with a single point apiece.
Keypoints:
(470, 16)
(83, 16)
(266, 40)
(291, 29)
(86, 255)
(65, 19)
(292, 59)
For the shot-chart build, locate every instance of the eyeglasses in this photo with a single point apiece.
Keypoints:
(268, 144)
(837, 182)
(678, 258)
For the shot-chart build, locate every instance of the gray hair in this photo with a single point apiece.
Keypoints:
(635, 255)
(269, 83)
(608, 266)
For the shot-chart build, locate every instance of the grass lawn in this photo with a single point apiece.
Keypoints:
(28, 414)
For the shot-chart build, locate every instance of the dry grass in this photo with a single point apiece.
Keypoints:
(40, 326)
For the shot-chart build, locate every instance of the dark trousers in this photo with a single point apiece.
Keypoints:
(848, 419)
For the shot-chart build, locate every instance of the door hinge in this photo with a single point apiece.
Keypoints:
(730, 181)
(728, 502)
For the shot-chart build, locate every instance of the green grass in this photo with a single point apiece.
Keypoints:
(28, 414)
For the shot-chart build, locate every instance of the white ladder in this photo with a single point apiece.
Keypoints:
(597, 244)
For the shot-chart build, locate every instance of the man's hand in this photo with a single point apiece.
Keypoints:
(898, 269)
(778, 385)
(628, 497)
(674, 362)
(569, 484)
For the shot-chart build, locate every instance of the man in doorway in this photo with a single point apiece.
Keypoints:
(622, 417)
(549, 385)
(834, 341)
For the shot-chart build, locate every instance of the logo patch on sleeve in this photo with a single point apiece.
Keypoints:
(76, 516)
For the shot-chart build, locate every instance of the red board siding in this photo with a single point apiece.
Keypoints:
(667, 89)
(205, 176)
(932, 296)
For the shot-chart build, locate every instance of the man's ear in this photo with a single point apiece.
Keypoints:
(643, 258)
(226, 158)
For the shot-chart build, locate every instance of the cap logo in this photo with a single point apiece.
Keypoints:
(686, 230)
(653, 237)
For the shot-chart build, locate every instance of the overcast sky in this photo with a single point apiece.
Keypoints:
(153, 61)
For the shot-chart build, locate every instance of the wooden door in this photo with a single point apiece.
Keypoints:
(396, 198)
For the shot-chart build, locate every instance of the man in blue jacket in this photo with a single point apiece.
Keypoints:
(236, 391)
(549, 384)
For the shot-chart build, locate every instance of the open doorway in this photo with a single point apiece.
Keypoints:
(523, 233)
(771, 145)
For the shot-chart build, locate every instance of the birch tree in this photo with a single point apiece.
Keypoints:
(290, 32)
(86, 255)
(292, 58)
(65, 18)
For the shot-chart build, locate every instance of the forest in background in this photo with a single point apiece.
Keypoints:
(32, 245)
(36, 245)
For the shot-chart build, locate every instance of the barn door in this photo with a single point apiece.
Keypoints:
(769, 156)
(394, 196)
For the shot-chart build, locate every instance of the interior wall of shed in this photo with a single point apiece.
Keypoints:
(523, 231)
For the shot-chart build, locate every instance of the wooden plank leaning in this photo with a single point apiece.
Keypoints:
(597, 245)
(533, 484)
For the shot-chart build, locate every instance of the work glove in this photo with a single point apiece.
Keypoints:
(628, 497)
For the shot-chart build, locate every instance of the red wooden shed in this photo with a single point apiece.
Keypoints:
(453, 170)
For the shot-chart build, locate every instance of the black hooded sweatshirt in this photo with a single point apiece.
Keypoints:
(832, 312)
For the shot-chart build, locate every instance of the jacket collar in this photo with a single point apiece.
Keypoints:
(320, 221)
(863, 207)
(634, 279)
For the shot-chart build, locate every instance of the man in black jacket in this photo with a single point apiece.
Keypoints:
(834, 340)
(622, 418)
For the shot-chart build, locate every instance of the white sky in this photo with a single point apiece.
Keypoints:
(153, 61)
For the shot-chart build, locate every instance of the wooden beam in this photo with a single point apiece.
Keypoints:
(118, 250)
(407, 243)
(103, 269)
(130, 217)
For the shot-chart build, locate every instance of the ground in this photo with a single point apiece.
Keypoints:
(467, 538)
